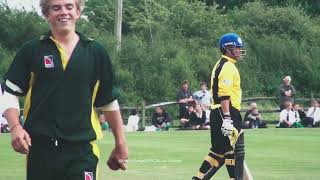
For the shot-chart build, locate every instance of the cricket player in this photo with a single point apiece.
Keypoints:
(64, 76)
(225, 118)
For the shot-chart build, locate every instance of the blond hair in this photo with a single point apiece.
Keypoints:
(288, 78)
(44, 5)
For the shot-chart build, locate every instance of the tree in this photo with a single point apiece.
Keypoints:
(17, 26)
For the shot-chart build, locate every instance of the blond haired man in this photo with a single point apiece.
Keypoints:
(64, 76)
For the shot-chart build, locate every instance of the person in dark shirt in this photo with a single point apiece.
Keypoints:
(287, 92)
(185, 124)
(161, 119)
(64, 76)
(184, 98)
(246, 121)
(198, 118)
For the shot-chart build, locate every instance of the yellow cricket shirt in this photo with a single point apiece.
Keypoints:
(225, 83)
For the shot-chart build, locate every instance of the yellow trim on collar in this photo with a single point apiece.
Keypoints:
(62, 53)
(229, 59)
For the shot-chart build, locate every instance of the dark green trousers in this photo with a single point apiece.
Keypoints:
(52, 159)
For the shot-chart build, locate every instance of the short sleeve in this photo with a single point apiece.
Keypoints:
(107, 90)
(19, 72)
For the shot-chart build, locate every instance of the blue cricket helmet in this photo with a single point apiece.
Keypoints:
(230, 39)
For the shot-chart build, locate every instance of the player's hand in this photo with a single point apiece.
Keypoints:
(118, 158)
(227, 126)
(20, 139)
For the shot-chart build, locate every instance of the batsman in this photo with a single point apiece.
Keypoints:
(227, 143)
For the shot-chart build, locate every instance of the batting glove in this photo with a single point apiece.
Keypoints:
(227, 126)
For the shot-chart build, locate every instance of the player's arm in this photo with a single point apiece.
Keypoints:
(119, 155)
(20, 139)
(106, 99)
(225, 88)
(225, 106)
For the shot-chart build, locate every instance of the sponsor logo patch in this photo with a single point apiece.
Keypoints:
(88, 175)
(227, 82)
(48, 61)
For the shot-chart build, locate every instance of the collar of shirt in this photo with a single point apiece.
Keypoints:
(229, 59)
(47, 36)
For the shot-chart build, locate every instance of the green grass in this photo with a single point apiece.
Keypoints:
(271, 154)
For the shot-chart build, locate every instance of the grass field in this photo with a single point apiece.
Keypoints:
(271, 154)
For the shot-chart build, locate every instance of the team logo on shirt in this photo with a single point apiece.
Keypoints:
(227, 82)
(48, 61)
(88, 175)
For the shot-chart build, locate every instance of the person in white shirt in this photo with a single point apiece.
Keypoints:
(205, 109)
(287, 117)
(313, 115)
(203, 96)
(4, 128)
(133, 121)
(295, 109)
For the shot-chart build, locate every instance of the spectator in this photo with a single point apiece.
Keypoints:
(184, 98)
(313, 115)
(198, 118)
(161, 119)
(104, 124)
(246, 123)
(207, 111)
(287, 92)
(301, 115)
(296, 108)
(286, 116)
(256, 119)
(203, 96)
(184, 123)
(133, 121)
(4, 128)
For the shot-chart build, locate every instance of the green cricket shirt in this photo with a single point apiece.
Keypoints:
(60, 100)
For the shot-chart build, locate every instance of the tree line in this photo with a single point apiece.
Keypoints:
(165, 42)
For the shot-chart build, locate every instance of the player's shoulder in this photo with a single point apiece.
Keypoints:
(229, 65)
(29, 46)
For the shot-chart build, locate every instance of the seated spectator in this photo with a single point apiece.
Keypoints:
(246, 122)
(103, 123)
(133, 121)
(207, 111)
(184, 123)
(286, 116)
(255, 119)
(313, 115)
(295, 109)
(197, 119)
(4, 128)
(161, 119)
(185, 99)
(301, 114)
(203, 96)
